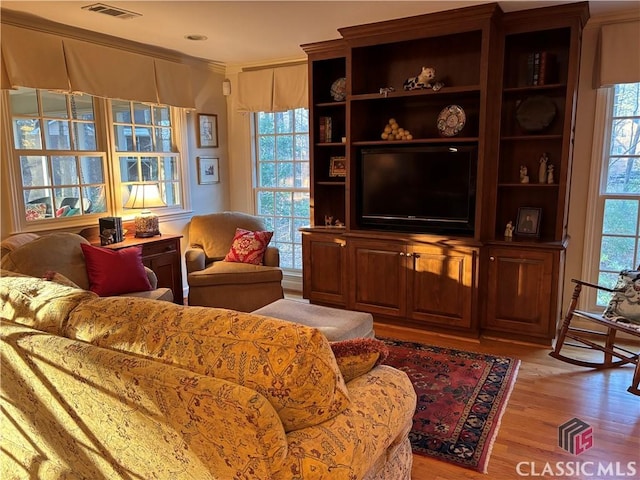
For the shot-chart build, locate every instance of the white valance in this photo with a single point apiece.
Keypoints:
(273, 89)
(109, 72)
(619, 52)
(290, 88)
(50, 62)
(173, 83)
(33, 59)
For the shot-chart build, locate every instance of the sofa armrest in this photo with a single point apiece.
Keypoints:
(272, 257)
(195, 259)
(153, 279)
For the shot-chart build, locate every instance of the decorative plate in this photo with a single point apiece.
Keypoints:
(535, 113)
(339, 89)
(451, 121)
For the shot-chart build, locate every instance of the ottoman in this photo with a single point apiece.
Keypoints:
(336, 324)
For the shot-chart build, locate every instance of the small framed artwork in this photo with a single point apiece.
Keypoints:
(208, 170)
(207, 130)
(528, 222)
(338, 167)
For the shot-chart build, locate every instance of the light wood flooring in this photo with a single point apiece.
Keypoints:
(547, 393)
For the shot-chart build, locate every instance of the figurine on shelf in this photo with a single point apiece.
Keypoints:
(524, 174)
(423, 80)
(328, 220)
(508, 231)
(542, 171)
(339, 223)
(550, 173)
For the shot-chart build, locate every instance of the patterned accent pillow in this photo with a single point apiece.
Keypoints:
(115, 272)
(248, 246)
(624, 305)
(358, 356)
(36, 211)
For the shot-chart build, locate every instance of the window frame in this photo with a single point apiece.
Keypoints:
(256, 189)
(605, 97)
(105, 147)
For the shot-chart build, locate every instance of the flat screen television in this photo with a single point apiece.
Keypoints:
(430, 189)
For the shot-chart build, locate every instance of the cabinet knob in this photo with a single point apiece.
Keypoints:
(343, 244)
(493, 259)
(402, 254)
(409, 254)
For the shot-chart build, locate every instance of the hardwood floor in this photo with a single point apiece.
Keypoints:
(547, 393)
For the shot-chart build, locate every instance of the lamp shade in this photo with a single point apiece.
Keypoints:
(144, 195)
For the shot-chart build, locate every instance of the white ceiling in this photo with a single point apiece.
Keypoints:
(246, 32)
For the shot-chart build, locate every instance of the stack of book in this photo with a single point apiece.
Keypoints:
(541, 68)
(325, 129)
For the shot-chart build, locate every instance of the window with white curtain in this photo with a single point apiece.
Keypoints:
(282, 179)
(617, 198)
(68, 152)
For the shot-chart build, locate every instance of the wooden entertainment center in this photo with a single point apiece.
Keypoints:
(517, 108)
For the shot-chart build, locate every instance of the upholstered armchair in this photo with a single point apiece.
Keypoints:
(236, 285)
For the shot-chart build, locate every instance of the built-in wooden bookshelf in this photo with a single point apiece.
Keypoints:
(484, 59)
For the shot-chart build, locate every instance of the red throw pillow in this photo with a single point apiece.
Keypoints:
(114, 272)
(248, 247)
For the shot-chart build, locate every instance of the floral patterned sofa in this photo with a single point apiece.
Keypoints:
(126, 387)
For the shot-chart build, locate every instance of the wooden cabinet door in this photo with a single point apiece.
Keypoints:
(520, 292)
(378, 277)
(441, 285)
(163, 257)
(324, 259)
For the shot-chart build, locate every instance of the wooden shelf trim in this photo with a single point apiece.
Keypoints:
(533, 136)
(535, 88)
(444, 91)
(417, 140)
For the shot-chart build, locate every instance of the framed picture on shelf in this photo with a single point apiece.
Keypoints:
(207, 130)
(528, 221)
(208, 170)
(338, 167)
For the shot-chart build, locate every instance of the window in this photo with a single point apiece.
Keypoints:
(282, 179)
(619, 193)
(144, 148)
(64, 162)
(61, 170)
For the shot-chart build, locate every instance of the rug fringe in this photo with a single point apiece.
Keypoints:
(515, 367)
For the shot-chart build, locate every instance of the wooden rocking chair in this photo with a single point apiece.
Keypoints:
(604, 341)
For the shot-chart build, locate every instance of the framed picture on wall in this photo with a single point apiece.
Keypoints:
(208, 170)
(207, 130)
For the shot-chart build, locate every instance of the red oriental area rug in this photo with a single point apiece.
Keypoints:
(461, 399)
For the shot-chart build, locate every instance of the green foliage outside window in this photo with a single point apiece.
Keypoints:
(282, 179)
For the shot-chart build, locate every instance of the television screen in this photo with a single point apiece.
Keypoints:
(430, 189)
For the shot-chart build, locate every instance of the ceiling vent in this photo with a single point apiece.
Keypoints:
(111, 11)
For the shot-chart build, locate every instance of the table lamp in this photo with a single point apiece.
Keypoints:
(144, 196)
